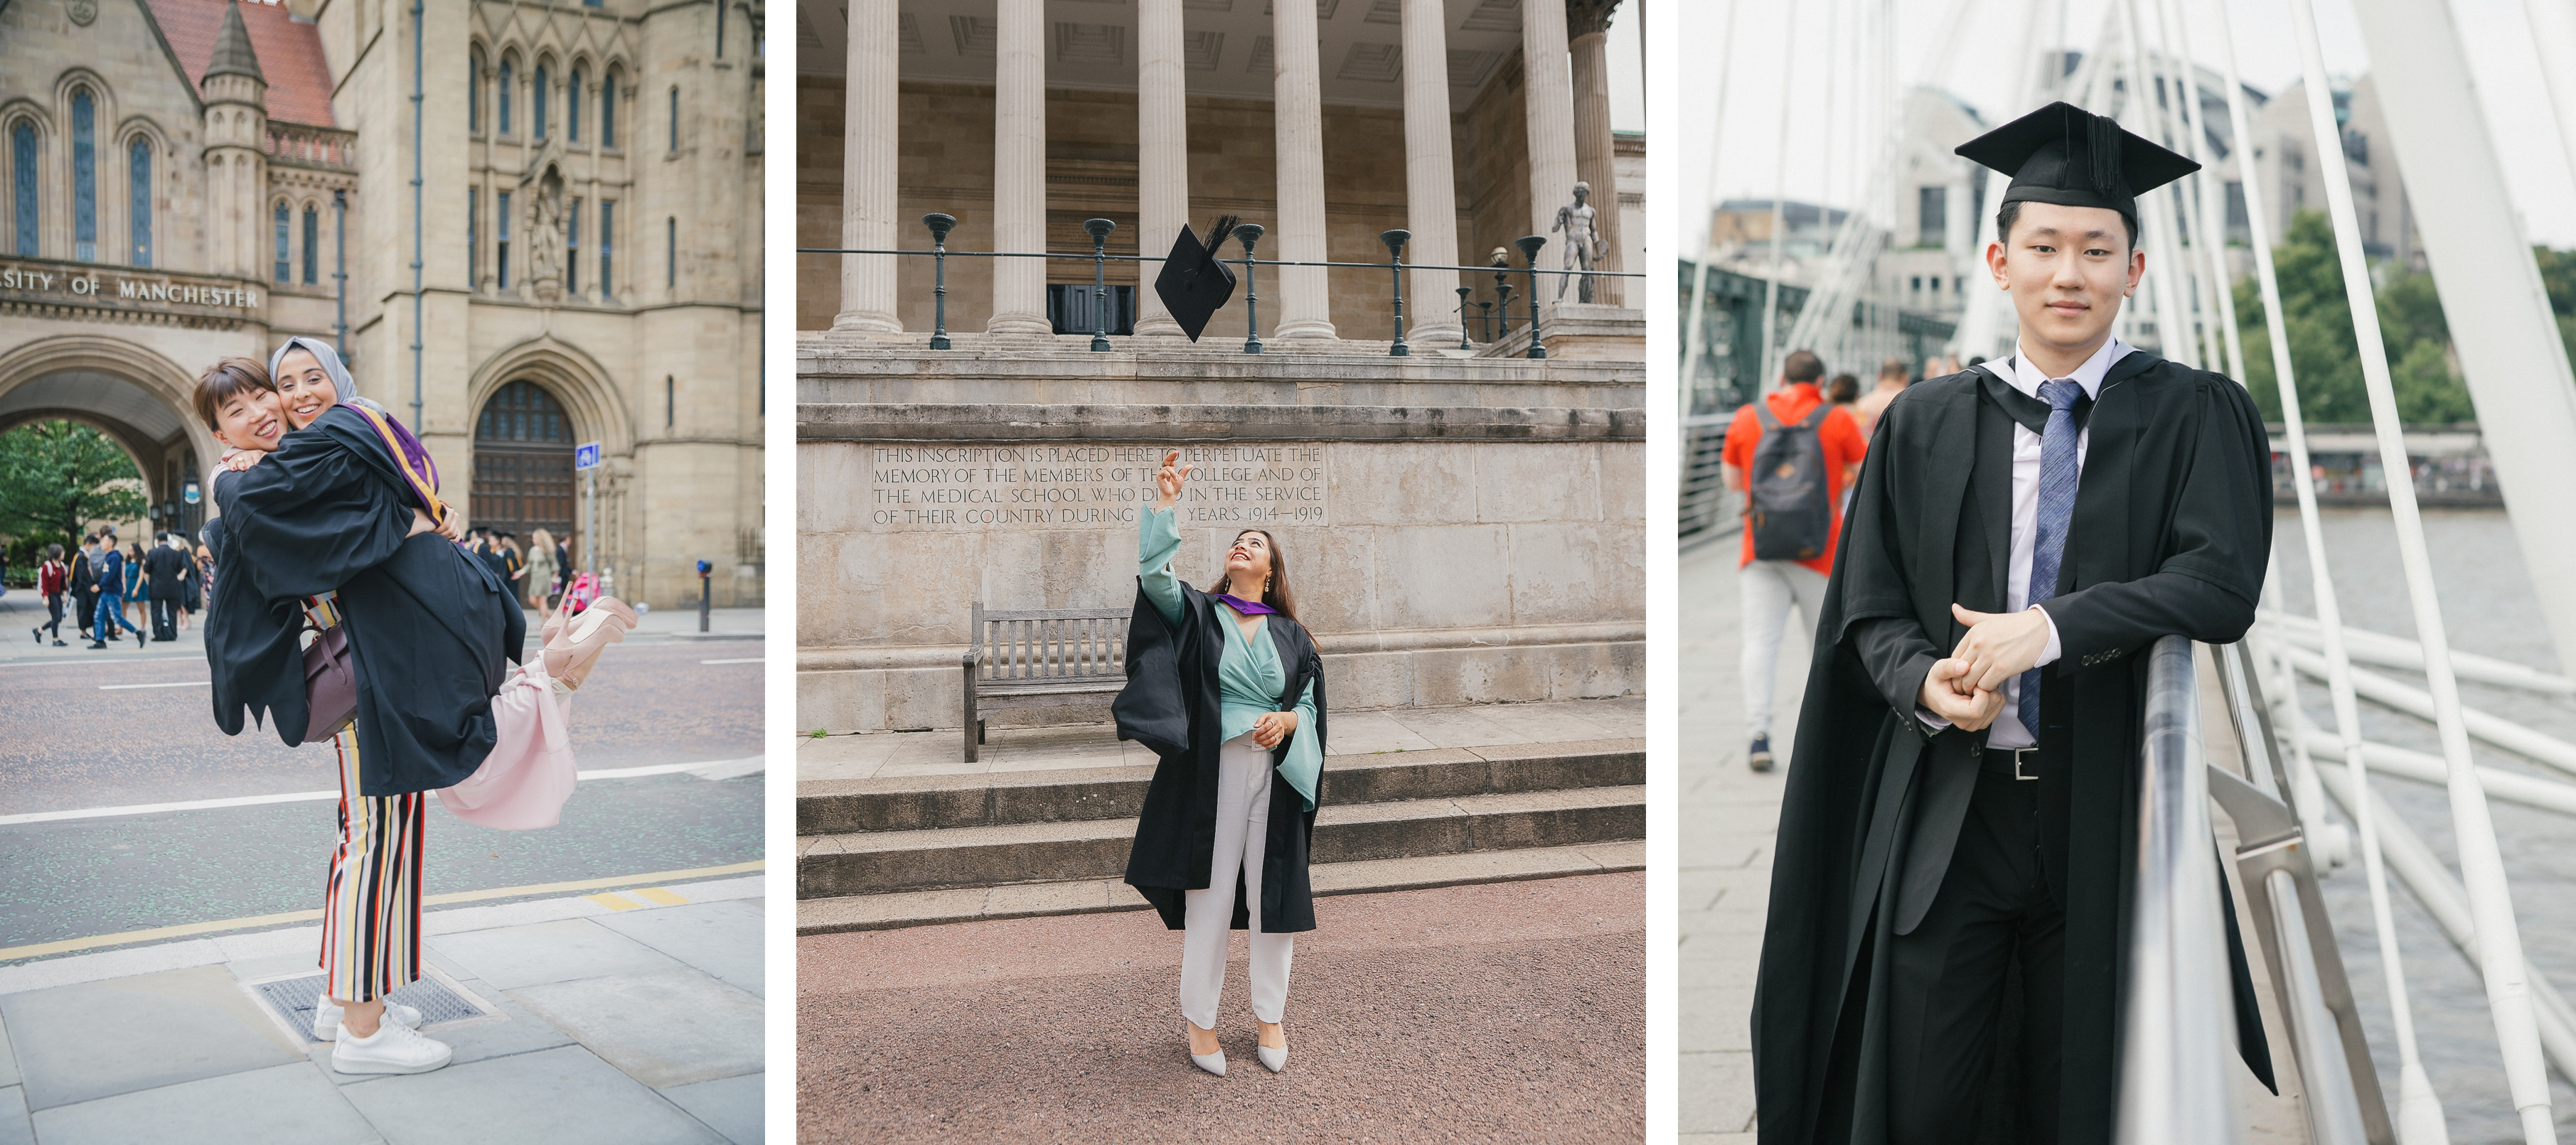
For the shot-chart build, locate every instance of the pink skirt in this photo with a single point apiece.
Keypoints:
(522, 785)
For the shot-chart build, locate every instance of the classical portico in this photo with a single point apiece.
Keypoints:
(1465, 122)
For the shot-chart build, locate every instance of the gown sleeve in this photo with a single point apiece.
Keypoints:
(1158, 537)
(2221, 537)
(1305, 760)
(309, 517)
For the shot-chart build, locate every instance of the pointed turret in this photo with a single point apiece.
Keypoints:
(233, 54)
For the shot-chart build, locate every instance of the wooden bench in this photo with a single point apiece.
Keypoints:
(1043, 657)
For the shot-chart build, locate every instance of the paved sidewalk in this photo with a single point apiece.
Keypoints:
(22, 610)
(624, 1017)
(1499, 1012)
(890, 755)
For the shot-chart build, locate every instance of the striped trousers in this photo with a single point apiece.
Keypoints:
(371, 905)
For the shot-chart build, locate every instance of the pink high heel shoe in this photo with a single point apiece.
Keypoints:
(573, 648)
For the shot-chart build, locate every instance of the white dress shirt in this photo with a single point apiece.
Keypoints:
(2007, 731)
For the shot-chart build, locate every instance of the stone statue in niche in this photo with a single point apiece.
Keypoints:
(546, 235)
(1583, 248)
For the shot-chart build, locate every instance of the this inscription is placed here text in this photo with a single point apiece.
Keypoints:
(1044, 486)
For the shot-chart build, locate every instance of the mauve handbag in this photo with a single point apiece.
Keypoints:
(330, 685)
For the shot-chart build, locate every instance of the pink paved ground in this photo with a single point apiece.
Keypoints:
(1509, 1011)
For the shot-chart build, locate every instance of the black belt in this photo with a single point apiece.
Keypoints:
(2012, 762)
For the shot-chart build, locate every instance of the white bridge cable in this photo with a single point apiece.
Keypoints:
(2419, 1108)
(2367, 647)
(2508, 978)
(1771, 352)
(2485, 726)
(1696, 332)
(2138, 114)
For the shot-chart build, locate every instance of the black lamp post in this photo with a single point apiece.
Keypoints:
(1394, 241)
(1529, 245)
(1099, 229)
(1463, 342)
(1503, 287)
(939, 225)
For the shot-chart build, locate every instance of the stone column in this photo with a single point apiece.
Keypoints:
(1297, 113)
(1162, 153)
(1547, 94)
(868, 170)
(1430, 187)
(1588, 22)
(1019, 168)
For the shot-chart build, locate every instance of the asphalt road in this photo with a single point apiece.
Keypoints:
(1502, 1012)
(132, 726)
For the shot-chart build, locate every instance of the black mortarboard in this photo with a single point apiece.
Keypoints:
(1194, 284)
(2066, 155)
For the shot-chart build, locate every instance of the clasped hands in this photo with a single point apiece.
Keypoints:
(1966, 688)
(1273, 728)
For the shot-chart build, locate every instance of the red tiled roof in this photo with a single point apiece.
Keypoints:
(290, 53)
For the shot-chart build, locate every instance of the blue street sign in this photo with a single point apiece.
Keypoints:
(586, 455)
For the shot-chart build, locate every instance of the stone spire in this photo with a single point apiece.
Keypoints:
(233, 54)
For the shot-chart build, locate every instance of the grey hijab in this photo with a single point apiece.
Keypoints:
(331, 365)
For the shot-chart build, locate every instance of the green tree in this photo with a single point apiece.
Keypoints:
(57, 476)
(2558, 274)
(2318, 320)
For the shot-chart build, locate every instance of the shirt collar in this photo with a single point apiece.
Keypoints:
(2027, 378)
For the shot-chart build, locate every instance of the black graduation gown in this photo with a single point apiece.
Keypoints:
(166, 571)
(1171, 704)
(2170, 534)
(431, 630)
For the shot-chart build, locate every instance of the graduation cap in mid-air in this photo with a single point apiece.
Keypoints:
(2066, 155)
(1194, 283)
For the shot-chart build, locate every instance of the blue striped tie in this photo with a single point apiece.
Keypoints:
(2056, 511)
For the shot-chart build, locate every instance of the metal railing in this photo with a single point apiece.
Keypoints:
(1248, 234)
(1708, 508)
(2178, 1009)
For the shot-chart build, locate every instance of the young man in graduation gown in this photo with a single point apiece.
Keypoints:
(1949, 912)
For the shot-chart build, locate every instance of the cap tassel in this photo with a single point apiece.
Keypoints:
(2102, 138)
(1217, 234)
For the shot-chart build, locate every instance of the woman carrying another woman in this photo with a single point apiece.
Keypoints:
(341, 516)
(1228, 690)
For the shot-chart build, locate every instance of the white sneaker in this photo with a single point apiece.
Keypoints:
(393, 1049)
(326, 1017)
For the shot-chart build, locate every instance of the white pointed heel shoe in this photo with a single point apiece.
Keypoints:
(1213, 1063)
(1273, 1058)
(574, 648)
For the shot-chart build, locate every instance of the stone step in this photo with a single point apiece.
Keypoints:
(993, 799)
(880, 862)
(1096, 896)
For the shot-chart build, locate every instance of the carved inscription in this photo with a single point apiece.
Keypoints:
(1059, 486)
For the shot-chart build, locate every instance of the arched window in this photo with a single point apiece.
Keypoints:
(138, 164)
(22, 181)
(312, 244)
(474, 94)
(283, 263)
(523, 475)
(506, 80)
(572, 106)
(537, 106)
(675, 118)
(607, 265)
(84, 177)
(608, 110)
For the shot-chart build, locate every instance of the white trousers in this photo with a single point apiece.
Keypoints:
(1242, 826)
(1768, 588)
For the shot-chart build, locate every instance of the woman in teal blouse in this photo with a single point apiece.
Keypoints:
(1260, 651)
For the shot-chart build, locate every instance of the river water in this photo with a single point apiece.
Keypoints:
(2489, 607)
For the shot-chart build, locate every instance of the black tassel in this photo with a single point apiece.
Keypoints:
(2103, 137)
(1216, 234)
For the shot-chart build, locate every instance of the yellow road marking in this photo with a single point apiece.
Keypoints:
(152, 934)
(614, 901)
(661, 896)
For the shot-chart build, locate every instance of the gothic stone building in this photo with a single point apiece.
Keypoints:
(183, 180)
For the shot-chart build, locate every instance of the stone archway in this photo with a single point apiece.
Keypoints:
(523, 464)
(135, 396)
(523, 475)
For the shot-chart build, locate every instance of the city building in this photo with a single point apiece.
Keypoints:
(185, 180)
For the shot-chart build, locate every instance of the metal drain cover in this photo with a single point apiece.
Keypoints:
(294, 999)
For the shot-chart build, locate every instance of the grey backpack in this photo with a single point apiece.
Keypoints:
(1789, 512)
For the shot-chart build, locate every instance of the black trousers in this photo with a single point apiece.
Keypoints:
(1947, 989)
(54, 613)
(165, 619)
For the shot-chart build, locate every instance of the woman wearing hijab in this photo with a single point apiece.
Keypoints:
(1227, 688)
(341, 515)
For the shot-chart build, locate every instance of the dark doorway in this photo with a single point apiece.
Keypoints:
(523, 478)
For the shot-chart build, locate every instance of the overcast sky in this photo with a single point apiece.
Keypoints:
(1755, 60)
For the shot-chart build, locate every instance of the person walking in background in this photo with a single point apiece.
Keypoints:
(53, 578)
(1843, 390)
(110, 612)
(205, 577)
(1790, 453)
(134, 598)
(166, 570)
(85, 582)
(1891, 382)
(514, 564)
(537, 580)
(192, 598)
